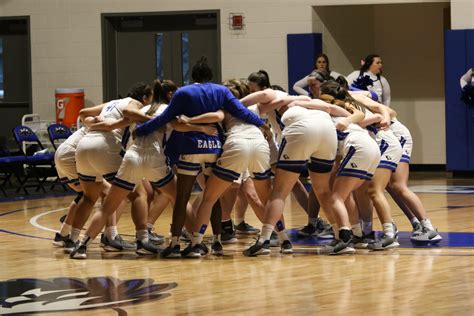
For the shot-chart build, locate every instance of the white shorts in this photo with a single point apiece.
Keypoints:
(405, 139)
(274, 152)
(390, 149)
(65, 162)
(314, 140)
(98, 157)
(138, 164)
(361, 156)
(193, 164)
(239, 155)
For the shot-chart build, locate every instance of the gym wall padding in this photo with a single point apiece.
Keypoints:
(302, 48)
(459, 57)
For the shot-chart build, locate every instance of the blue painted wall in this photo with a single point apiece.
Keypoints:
(302, 48)
(459, 57)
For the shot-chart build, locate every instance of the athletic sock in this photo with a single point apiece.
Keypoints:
(388, 229)
(267, 230)
(65, 229)
(282, 236)
(216, 238)
(239, 220)
(196, 239)
(111, 232)
(427, 224)
(357, 230)
(149, 226)
(174, 241)
(75, 233)
(142, 235)
(414, 221)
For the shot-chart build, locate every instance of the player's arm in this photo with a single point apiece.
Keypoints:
(91, 111)
(133, 113)
(264, 96)
(375, 107)
(317, 104)
(300, 86)
(188, 127)
(110, 124)
(206, 118)
(371, 119)
(280, 102)
(356, 117)
(174, 109)
(235, 108)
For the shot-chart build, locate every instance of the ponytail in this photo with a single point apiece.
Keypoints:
(161, 89)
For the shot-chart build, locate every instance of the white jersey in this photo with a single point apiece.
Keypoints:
(238, 128)
(298, 115)
(113, 110)
(156, 138)
(380, 86)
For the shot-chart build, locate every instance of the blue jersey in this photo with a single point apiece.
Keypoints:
(193, 100)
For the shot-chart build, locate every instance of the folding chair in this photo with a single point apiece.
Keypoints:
(10, 166)
(56, 133)
(40, 165)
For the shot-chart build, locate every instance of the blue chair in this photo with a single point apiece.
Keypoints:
(57, 132)
(40, 165)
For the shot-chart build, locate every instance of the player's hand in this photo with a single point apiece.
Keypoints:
(384, 125)
(267, 132)
(183, 119)
(342, 125)
(209, 130)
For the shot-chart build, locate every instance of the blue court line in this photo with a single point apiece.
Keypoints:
(20, 234)
(35, 197)
(455, 239)
(23, 235)
(22, 209)
(365, 253)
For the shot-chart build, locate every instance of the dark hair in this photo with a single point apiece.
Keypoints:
(342, 82)
(325, 58)
(368, 61)
(161, 89)
(139, 90)
(338, 92)
(321, 76)
(277, 87)
(261, 78)
(201, 71)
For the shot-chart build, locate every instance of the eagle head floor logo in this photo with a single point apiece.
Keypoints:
(26, 296)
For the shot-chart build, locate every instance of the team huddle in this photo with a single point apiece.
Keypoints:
(244, 142)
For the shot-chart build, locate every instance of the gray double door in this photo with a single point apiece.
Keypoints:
(146, 56)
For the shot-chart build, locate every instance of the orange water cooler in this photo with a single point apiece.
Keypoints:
(68, 104)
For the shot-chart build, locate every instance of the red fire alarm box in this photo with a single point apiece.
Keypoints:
(236, 21)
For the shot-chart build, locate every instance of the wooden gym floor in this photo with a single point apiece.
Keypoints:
(34, 276)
